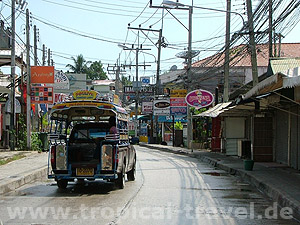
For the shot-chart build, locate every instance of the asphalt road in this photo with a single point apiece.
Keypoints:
(169, 189)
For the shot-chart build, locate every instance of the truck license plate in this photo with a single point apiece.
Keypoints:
(85, 171)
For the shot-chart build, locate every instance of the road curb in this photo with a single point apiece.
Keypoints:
(17, 182)
(267, 190)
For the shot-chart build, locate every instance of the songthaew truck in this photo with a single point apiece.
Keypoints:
(89, 141)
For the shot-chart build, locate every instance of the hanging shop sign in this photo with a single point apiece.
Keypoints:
(147, 107)
(161, 107)
(41, 95)
(42, 75)
(145, 80)
(199, 98)
(178, 93)
(61, 81)
(60, 97)
(169, 119)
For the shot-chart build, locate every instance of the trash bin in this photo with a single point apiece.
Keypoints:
(44, 139)
(248, 164)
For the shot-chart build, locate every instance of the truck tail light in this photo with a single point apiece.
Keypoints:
(53, 156)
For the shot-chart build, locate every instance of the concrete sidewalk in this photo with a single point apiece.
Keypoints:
(278, 182)
(22, 171)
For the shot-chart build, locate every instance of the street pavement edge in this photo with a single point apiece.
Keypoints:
(268, 190)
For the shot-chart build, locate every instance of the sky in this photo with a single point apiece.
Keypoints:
(97, 28)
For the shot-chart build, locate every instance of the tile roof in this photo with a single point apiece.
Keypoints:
(243, 58)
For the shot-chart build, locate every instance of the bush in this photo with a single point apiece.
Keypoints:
(36, 143)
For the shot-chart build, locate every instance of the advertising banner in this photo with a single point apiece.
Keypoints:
(199, 98)
(59, 97)
(178, 111)
(178, 106)
(61, 81)
(41, 95)
(42, 74)
(179, 93)
(147, 107)
(169, 119)
(145, 80)
(161, 107)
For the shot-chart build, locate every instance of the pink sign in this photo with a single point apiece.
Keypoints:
(199, 98)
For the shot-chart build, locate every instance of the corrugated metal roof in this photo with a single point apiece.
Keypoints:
(282, 65)
(214, 111)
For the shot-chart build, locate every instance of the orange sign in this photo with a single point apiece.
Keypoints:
(42, 74)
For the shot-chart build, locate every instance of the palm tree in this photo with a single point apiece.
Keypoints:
(80, 64)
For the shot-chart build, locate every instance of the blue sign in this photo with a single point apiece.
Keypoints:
(178, 111)
(169, 119)
(145, 80)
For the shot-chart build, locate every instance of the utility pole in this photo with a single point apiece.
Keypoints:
(189, 67)
(28, 104)
(13, 72)
(227, 48)
(270, 28)
(252, 43)
(116, 70)
(35, 45)
(44, 55)
(158, 61)
(158, 86)
(49, 57)
(36, 115)
(137, 95)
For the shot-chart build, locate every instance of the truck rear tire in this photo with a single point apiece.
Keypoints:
(132, 173)
(62, 184)
(120, 181)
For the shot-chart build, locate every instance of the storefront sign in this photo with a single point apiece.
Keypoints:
(59, 97)
(199, 98)
(42, 75)
(147, 107)
(41, 95)
(178, 111)
(161, 107)
(180, 93)
(169, 119)
(61, 81)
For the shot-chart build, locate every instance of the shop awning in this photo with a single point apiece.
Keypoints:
(215, 111)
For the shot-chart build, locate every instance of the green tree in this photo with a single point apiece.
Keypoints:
(80, 64)
(96, 72)
(125, 81)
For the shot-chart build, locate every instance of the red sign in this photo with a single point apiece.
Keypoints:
(41, 95)
(42, 74)
(177, 102)
(59, 97)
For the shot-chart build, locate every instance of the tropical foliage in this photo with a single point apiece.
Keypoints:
(93, 70)
(80, 64)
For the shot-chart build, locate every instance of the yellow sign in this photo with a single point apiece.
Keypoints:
(85, 95)
(179, 93)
